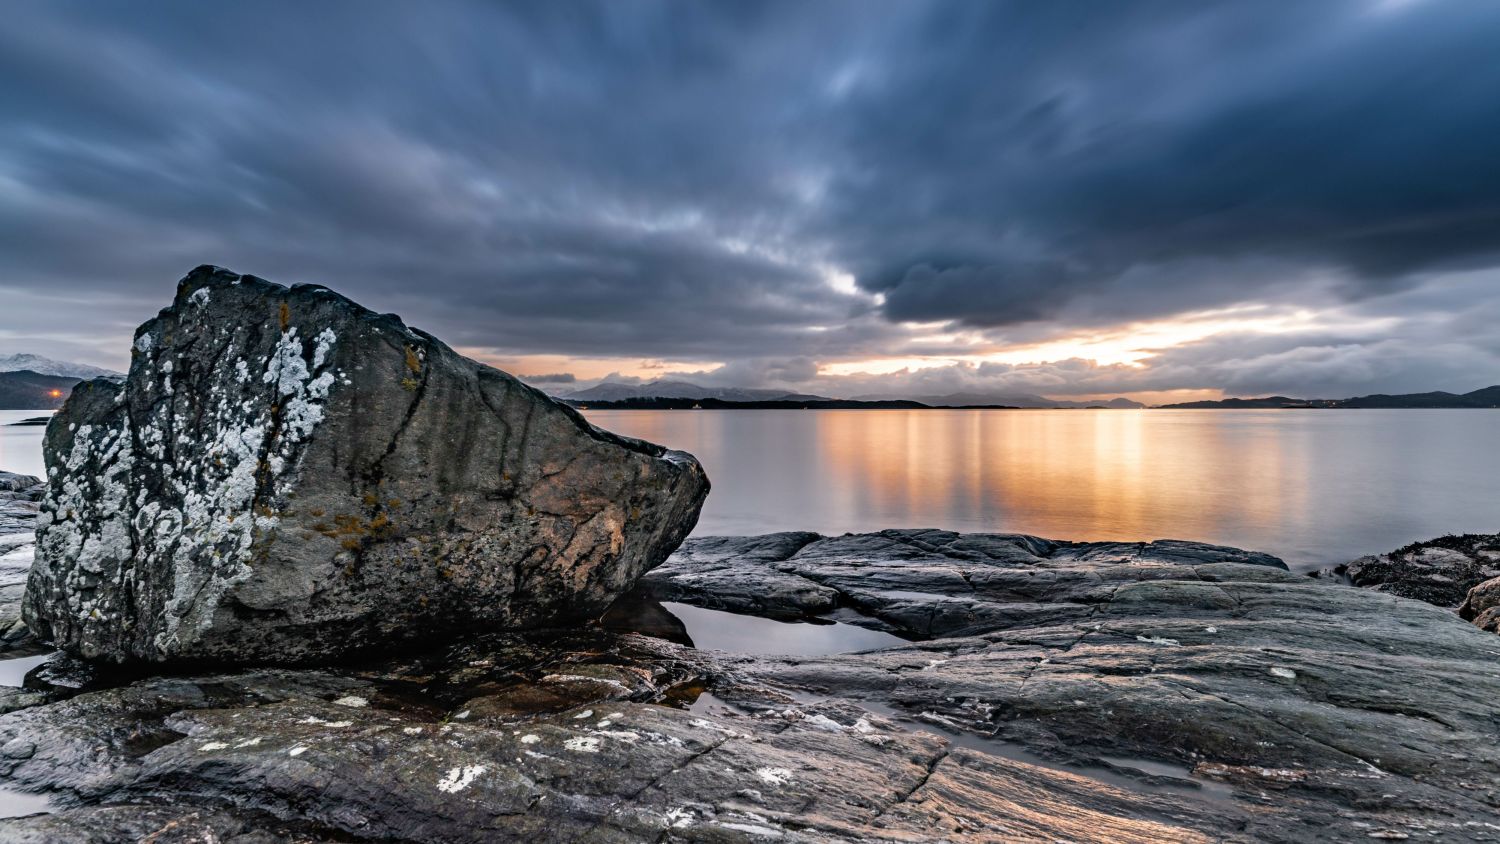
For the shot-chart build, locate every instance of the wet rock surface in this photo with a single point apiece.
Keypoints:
(19, 495)
(1166, 692)
(288, 477)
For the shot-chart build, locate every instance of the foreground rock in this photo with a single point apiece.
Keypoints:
(931, 583)
(1440, 571)
(1458, 572)
(1101, 692)
(287, 477)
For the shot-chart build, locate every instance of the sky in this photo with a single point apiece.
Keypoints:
(1080, 199)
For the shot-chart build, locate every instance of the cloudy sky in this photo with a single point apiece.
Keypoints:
(1073, 198)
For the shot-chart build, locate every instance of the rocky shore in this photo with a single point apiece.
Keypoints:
(1090, 692)
(262, 681)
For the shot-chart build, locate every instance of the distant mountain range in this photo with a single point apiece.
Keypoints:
(1021, 400)
(667, 389)
(47, 366)
(616, 391)
(658, 403)
(1487, 397)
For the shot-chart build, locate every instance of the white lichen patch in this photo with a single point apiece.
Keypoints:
(354, 701)
(680, 817)
(313, 719)
(412, 731)
(1283, 673)
(583, 744)
(249, 742)
(1157, 640)
(579, 678)
(530, 738)
(823, 722)
(760, 827)
(178, 482)
(298, 750)
(587, 713)
(628, 736)
(459, 778)
(773, 776)
(213, 745)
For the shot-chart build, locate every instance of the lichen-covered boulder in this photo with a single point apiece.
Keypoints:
(288, 477)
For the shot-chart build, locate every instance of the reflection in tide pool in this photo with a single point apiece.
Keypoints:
(19, 804)
(1314, 487)
(13, 671)
(723, 631)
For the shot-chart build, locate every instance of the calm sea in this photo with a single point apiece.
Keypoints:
(21, 448)
(1313, 487)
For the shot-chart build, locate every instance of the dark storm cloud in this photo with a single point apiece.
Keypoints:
(1132, 137)
(681, 180)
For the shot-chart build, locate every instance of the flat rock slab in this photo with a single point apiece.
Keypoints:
(288, 477)
(930, 583)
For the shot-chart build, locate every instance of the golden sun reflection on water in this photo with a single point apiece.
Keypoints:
(1311, 486)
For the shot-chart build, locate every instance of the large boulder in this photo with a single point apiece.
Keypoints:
(287, 477)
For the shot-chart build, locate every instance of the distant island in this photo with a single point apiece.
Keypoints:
(666, 394)
(661, 403)
(1487, 397)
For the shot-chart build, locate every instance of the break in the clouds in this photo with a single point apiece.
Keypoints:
(1076, 198)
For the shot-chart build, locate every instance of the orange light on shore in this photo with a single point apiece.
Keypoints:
(56, 394)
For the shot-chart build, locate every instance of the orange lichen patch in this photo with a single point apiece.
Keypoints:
(353, 530)
(413, 362)
(286, 316)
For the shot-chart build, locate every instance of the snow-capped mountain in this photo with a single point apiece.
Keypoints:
(47, 366)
